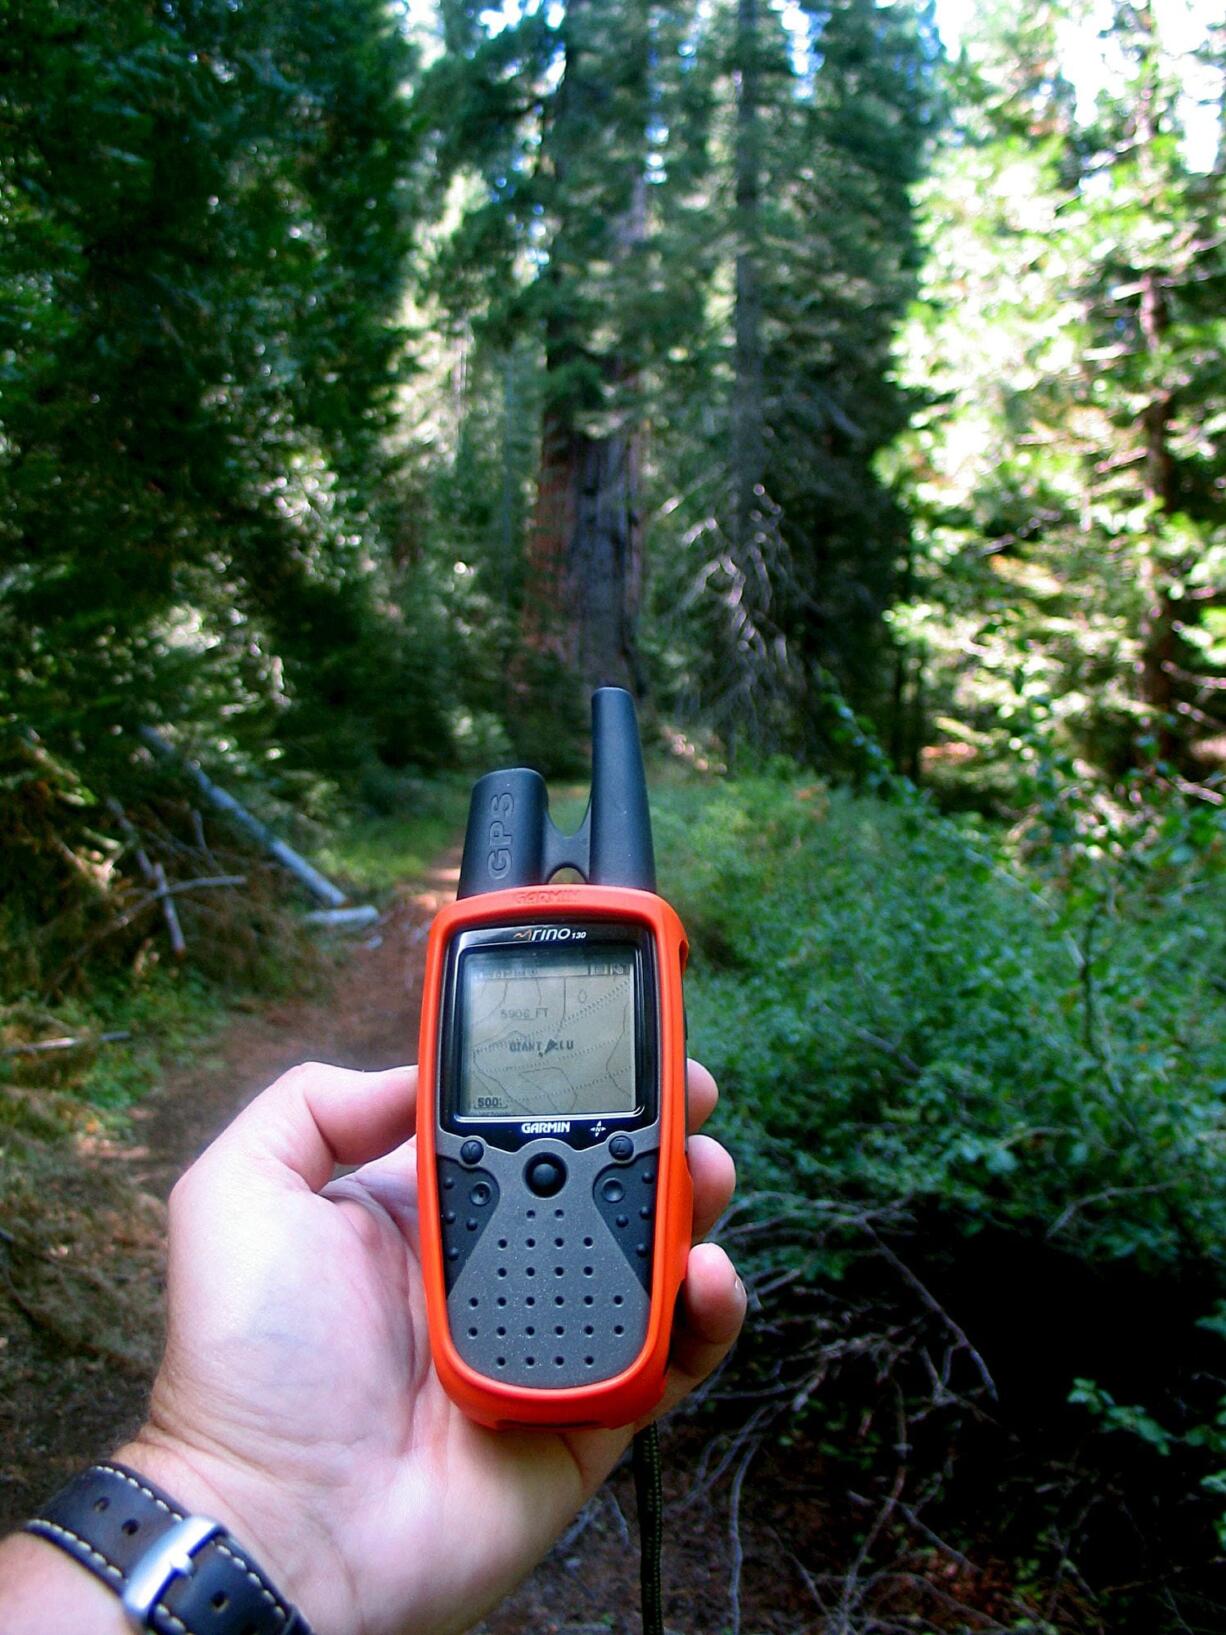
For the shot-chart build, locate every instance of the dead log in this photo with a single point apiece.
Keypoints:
(297, 865)
(155, 874)
(36, 1047)
(346, 918)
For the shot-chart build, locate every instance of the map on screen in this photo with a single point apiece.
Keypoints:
(548, 1034)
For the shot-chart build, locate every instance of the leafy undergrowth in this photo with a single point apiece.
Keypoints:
(375, 852)
(84, 1164)
(92, 1001)
(978, 1116)
(93, 1009)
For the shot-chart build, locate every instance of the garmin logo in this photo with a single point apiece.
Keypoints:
(546, 1126)
(550, 933)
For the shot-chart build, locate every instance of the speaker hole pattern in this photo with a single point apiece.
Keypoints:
(468, 1202)
(626, 1198)
(553, 1308)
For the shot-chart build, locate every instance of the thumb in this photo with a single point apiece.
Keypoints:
(315, 1117)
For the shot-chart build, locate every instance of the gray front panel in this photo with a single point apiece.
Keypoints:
(549, 1292)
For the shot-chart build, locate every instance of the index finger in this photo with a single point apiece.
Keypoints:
(701, 1095)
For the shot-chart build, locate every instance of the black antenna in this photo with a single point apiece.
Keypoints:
(621, 853)
(512, 841)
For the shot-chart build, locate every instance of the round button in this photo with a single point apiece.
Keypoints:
(472, 1152)
(621, 1147)
(613, 1191)
(480, 1194)
(545, 1176)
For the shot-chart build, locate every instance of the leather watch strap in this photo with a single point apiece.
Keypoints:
(176, 1574)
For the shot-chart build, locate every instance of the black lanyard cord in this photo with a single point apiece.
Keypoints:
(649, 1499)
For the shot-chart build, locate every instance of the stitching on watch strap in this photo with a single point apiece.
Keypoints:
(54, 1531)
(225, 1545)
(73, 1502)
(126, 1475)
(260, 1583)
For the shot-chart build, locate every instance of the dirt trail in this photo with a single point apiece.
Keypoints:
(366, 1018)
(80, 1315)
(80, 1323)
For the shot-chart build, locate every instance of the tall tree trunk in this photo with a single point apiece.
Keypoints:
(544, 615)
(604, 563)
(585, 553)
(1158, 633)
(748, 436)
(1158, 618)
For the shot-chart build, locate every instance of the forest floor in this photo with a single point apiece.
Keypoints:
(80, 1309)
(80, 1291)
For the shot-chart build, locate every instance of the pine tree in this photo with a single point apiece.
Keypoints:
(1064, 482)
(584, 570)
(207, 212)
(799, 546)
(1155, 282)
(556, 252)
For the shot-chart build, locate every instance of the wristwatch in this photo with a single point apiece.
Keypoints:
(175, 1574)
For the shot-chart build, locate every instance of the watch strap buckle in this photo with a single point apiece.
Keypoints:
(171, 1557)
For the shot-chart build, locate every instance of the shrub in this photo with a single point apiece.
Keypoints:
(978, 1116)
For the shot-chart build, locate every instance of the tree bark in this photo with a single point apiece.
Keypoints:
(1158, 632)
(604, 563)
(584, 567)
(748, 435)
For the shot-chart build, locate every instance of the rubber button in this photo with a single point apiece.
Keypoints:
(612, 1190)
(472, 1152)
(480, 1194)
(545, 1176)
(621, 1147)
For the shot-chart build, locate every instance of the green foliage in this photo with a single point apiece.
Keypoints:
(900, 1016)
(204, 217)
(977, 1100)
(1118, 1417)
(377, 852)
(1063, 485)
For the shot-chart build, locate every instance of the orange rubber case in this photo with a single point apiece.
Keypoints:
(628, 1396)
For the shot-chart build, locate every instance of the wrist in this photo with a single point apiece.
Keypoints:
(264, 1515)
(167, 1536)
(45, 1592)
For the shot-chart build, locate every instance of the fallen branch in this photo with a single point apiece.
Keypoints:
(343, 917)
(38, 1046)
(204, 883)
(298, 866)
(734, 1533)
(178, 943)
(938, 1311)
(155, 874)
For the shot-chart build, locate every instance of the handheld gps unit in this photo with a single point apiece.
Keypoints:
(554, 1193)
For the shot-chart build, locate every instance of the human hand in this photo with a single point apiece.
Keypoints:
(297, 1402)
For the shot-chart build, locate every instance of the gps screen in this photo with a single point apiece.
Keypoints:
(547, 1034)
